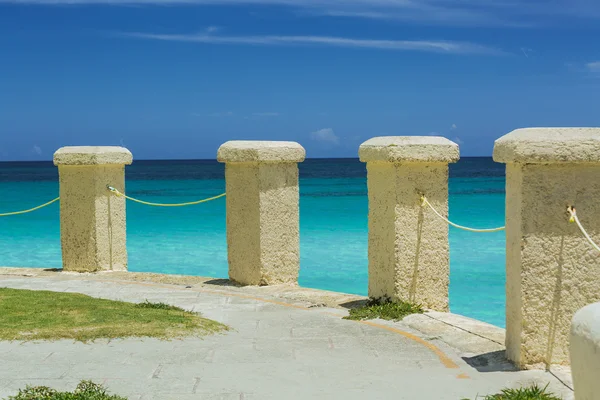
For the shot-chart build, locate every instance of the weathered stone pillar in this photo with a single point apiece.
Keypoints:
(263, 234)
(551, 270)
(408, 244)
(585, 352)
(92, 220)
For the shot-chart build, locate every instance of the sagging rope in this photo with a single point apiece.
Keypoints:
(191, 203)
(29, 210)
(574, 218)
(425, 202)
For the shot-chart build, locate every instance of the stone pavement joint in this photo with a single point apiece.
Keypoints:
(279, 347)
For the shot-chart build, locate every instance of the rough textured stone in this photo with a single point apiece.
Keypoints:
(262, 211)
(92, 220)
(409, 149)
(549, 145)
(244, 151)
(408, 244)
(92, 155)
(585, 352)
(551, 270)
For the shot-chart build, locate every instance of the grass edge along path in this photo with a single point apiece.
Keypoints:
(45, 315)
(86, 390)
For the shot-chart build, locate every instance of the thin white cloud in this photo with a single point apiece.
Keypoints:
(458, 140)
(513, 13)
(438, 46)
(216, 114)
(526, 51)
(36, 150)
(593, 66)
(325, 135)
(265, 114)
(427, 13)
(453, 127)
(584, 69)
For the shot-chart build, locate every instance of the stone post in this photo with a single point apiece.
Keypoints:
(92, 220)
(408, 244)
(585, 352)
(551, 270)
(263, 234)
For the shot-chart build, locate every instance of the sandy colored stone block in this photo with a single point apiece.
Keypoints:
(245, 151)
(263, 233)
(92, 220)
(551, 270)
(408, 244)
(585, 352)
(549, 145)
(92, 155)
(396, 149)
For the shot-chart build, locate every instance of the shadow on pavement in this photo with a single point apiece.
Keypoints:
(495, 361)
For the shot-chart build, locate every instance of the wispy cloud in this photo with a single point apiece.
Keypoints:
(438, 46)
(593, 66)
(526, 51)
(215, 114)
(265, 114)
(425, 12)
(513, 13)
(36, 150)
(325, 135)
(589, 69)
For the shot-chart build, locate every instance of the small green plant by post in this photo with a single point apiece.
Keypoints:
(529, 393)
(384, 308)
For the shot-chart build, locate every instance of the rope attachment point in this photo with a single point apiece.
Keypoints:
(573, 218)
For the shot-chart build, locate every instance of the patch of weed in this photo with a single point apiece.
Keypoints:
(86, 390)
(385, 309)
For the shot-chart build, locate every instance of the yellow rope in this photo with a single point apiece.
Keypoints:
(425, 202)
(191, 203)
(574, 218)
(31, 209)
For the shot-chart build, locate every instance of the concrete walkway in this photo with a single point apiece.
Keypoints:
(276, 350)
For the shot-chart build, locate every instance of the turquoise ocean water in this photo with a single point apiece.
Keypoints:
(333, 225)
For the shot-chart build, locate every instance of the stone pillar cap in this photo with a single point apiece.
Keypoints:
(549, 145)
(395, 149)
(92, 155)
(242, 151)
(586, 322)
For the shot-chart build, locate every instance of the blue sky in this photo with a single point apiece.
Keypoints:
(176, 78)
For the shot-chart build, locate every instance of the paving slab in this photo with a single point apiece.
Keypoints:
(281, 346)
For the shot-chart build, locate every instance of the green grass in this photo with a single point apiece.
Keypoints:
(86, 390)
(35, 315)
(384, 309)
(529, 393)
(159, 306)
